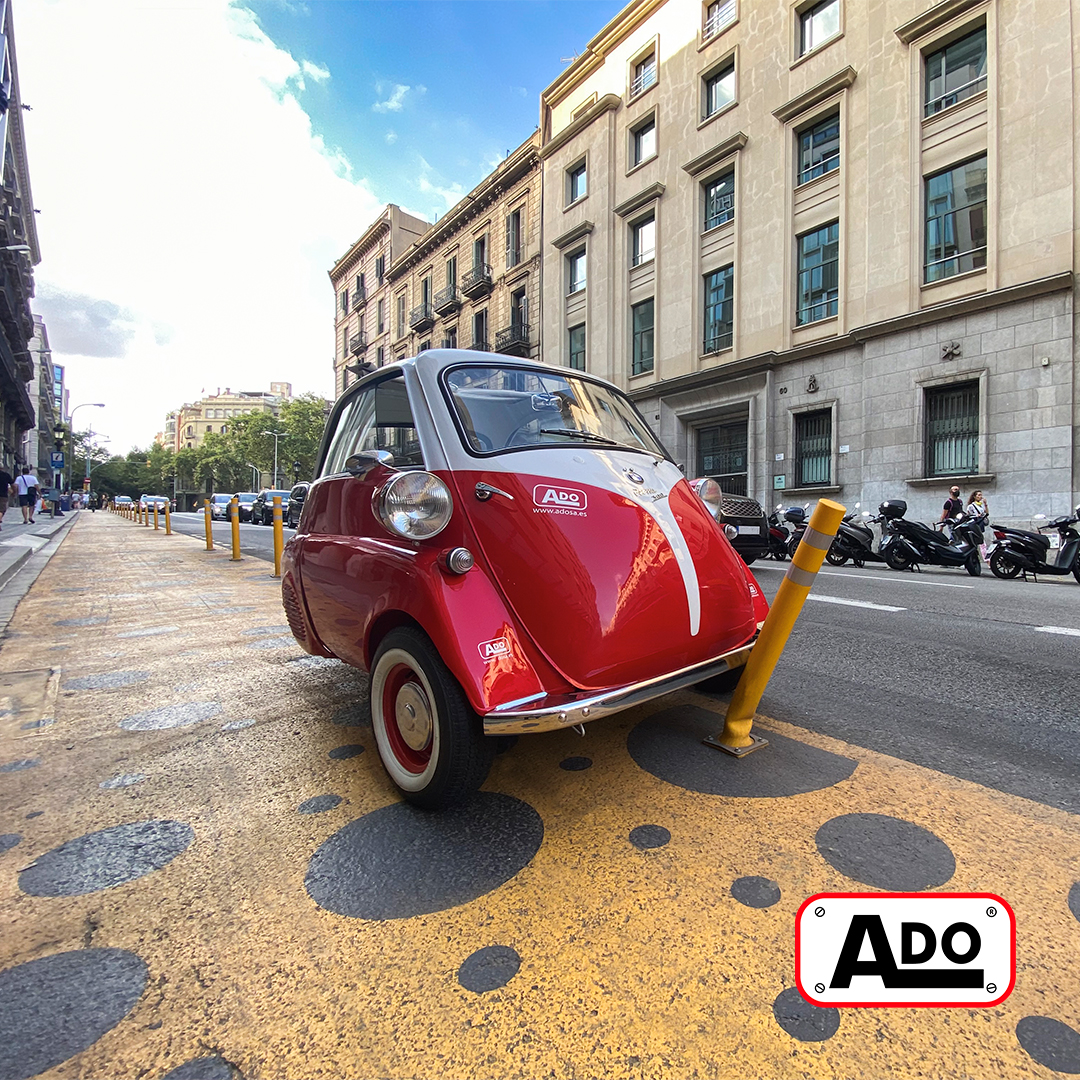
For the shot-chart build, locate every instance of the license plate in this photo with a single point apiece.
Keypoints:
(748, 530)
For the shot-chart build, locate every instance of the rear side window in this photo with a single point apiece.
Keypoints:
(378, 418)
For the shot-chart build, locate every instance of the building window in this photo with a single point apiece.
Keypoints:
(719, 310)
(719, 90)
(819, 276)
(480, 331)
(644, 241)
(401, 315)
(190, 431)
(360, 286)
(644, 75)
(345, 342)
(719, 14)
(722, 454)
(380, 356)
(513, 239)
(642, 321)
(344, 300)
(577, 183)
(451, 272)
(817, 24)
(479, 252)
(450, 341)
(380, 315)
(952, 429)
(380, 268)
(819, 148)
(644, 141)
(956, 220)
(956, 72)
(813, 448)
(720, 200)
(425, 345)
(577, 347)
(575, 266)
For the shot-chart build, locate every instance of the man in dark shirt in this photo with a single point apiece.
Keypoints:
(953, 505)
(6, 483)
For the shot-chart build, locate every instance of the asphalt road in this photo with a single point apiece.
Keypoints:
(938, 668)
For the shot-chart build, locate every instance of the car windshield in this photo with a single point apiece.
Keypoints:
(222, 499)
(510, 408)
(247, 497)
(269, 495)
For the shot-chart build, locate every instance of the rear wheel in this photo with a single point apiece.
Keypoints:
(430, 741)
(1003, 567)
(898, 558)
(834, 557)
(974, 564)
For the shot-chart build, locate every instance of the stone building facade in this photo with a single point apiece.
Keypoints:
(39, 441)
(828, 248)
(193, 421)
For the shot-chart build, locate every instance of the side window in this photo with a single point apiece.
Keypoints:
(377, 419)
(354, 419)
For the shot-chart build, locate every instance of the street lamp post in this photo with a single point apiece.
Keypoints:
(256, 476)
(277, 435)
(85, 405)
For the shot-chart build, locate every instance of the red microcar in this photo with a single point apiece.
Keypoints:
(506, 548)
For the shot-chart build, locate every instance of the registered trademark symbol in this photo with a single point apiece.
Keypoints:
(819, 911)
(991, 988)
(819, 988)
(991, 911)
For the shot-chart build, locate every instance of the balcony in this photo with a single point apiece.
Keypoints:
(477, 281)
(719, 16)
(514, 340)
(359, 299)
(448, 301)
(480, 345)
(422, 318)
(358, 343)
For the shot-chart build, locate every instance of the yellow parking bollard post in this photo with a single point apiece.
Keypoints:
(146, 516)
(168, 519)
(209, 525)
(155, 517)
(234, 513)
(279, 536)
(736, 738)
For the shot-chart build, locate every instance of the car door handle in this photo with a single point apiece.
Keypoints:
(485, 491)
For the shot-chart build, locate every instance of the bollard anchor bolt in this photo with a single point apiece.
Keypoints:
(757, 742)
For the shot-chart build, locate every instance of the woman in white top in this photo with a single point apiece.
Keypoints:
(26, 483)
(978, 507)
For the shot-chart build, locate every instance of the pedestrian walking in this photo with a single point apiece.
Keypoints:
(7, 488)
(979, 509)
(953, 505)
(26, 484)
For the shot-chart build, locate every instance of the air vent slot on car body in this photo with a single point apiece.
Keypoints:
(293, 610)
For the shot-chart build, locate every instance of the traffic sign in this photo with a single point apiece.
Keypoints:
(56, 460)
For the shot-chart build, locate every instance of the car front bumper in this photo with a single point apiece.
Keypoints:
(545, 712)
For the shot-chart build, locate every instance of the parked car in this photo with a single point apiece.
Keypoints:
(262, 509)
(246, 500)
(123, 500)
(295, 504)
(148, 502)
(507, 548)
(219, 507)
(743, 519)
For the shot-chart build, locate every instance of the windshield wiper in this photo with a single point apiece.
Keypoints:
(577, 433)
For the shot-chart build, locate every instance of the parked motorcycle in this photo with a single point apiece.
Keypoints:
(855, 539)
(911, 543)
(778, 537)
(797, 516)
(1019, 551)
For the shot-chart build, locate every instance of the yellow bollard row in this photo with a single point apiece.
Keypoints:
(736, 738)
(279, 536)
(234, 514)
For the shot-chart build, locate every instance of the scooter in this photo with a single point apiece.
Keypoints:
(911, 543)
(778, 537)
(855, 539)
(799, 521)
(1019, 551)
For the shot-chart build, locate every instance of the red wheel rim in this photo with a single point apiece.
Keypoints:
(414, 761)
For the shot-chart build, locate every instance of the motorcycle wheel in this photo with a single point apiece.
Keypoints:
(974, 564)
(792, 547)
(779, 554)
(898, 558)
(834, 557)
(1004, 568)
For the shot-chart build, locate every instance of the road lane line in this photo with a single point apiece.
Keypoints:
(857, 603)
(899, 580)
(1067, 630)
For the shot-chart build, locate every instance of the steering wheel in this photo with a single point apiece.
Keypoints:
(480, 442)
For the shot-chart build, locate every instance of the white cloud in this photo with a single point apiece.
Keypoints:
(315, 71)
(395, 102)
(451, 195)
(188, 222)
(391, 137)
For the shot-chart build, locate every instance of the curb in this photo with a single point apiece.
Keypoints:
(10, 566)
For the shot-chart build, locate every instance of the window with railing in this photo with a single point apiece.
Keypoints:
(719, 90)
(643, 321)
(956, 220)
(480, 331)
(575, 272)
(819, 274)
(576, 335)
(813, 448)
(719, 14)
(644, 241)
(643, 142)
(644, 75)
(720, 200)
(955, 72)
(952, 429)
(719, 310)
(817, 24)
(819, 148)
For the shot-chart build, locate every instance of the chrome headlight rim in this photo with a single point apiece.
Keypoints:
(708, 491)
(396, 520)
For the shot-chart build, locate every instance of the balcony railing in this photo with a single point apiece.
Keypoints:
(447, 301)
(514, 340)
(480, 345)
(477, 281)
(719, 16)
(422, 318)
(358, 343)
(643, 80)
(359, 299)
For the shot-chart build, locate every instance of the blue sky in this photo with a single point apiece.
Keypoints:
(230, 153)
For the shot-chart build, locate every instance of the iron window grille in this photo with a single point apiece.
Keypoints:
(813, 448)
(719, 310)
(722, 455)
(644, 241)
(817, 24)
(719, 90)
(956, 220)
(952, 429)
(577, 347)
(720, 200)
(956, 72)
(719, 14)
(819, 149)
(644, 75)
(819, 274)
(643, 323)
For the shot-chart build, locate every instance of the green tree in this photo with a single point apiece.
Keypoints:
(220, 462)
(304, 418)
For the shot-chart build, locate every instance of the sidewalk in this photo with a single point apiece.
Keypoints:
(204, 868)
(18, 541)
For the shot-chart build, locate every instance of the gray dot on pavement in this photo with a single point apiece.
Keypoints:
(238, 725)
(204, 1068)
(1074, 899)
(235, 609)
(171, 716)
(126, 780)
(755, 892)
(55, 1007)
(803, 1021)
(1051, 1043)
(342, 753)
(272, 643)
(100, 860)
(33, 814)
(149, 631)
(319, 804)
(91, 620)
(668, 745)
(399, 861)
(33, 725)
(649, 836)
(107, 680)
(575, 764)
(8, 841)
(314, 661)
(885, 852)
(22, 763)
(489, 968)
(262, 631)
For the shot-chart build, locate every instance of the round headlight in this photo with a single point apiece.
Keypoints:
(708, 491)
(416, 505)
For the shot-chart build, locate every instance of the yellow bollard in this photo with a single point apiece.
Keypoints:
(209, 525)
(168, 519)
(234, 513)
(736, 738)
(279, 536)
(146, 516)
(155, 517)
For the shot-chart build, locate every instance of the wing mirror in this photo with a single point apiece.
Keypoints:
(359, 465)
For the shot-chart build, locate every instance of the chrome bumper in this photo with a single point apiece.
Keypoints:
(517, 718)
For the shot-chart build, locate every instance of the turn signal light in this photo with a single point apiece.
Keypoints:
(457, 560)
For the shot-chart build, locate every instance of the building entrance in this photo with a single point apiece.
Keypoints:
(722, 454)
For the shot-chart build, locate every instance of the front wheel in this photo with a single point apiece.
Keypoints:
(1003, 567)
(898, 558)
(834, 557)
(724, 683)
(974, 564)
(430, 740)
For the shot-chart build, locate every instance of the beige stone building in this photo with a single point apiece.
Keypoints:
(189, 425)
(473, 280)
(827, 247)
(362, 324)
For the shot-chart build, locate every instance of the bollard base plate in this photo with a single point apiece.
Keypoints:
(736, 751)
